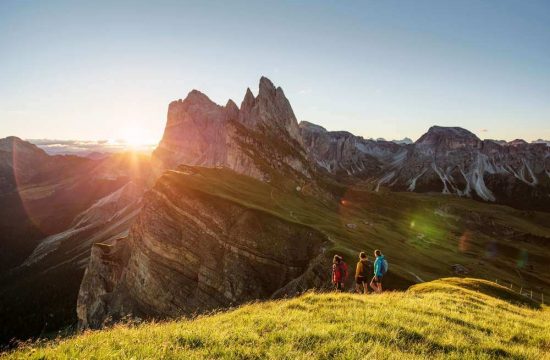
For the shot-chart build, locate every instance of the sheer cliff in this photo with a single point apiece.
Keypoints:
(448, 160)
(260, 139)
(191, 250)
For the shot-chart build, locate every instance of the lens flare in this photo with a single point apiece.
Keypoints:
(491, 250)
(464, 242)
(522, 259)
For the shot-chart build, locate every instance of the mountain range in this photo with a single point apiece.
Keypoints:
(239, 203)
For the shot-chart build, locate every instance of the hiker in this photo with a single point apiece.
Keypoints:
(362, 272)
(339, 272)
(380, 269)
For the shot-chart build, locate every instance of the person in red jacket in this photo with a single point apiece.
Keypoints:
(339, 273)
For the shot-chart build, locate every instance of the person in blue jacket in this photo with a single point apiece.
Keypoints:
(380, 269)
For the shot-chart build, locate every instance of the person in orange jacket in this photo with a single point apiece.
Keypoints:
(362, 272)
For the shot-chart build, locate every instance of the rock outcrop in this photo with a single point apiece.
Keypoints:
(190, 251)
(455, 161)
(341, 153)
(259, 139)
(450, 160)
(262, 139)
(23, 164)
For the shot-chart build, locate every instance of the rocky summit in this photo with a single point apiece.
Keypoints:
(448, 160)
(455, 161)
(260, 139)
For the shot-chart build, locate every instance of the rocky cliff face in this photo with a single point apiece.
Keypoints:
(188, 250)
(259, 139)
(191, 251)
(343, 154)
(455, 161)
(449, 160)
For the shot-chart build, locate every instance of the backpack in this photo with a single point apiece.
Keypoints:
(343, 270)
(365, 269)
(384, 267)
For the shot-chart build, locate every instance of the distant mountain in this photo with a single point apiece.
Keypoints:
(343, 154)
(96, 155)
(517, 142)
(87, 148)
(53, 208)
(403, 141)
(455, 161)
(449, 160)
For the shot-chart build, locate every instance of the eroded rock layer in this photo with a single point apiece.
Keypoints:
(256, 140)
(449, 160)
(190, 251)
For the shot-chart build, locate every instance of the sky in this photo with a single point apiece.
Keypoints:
(98, 70)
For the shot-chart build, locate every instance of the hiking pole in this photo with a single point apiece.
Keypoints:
(531, 294)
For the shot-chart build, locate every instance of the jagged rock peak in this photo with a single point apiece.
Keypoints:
(266, 87)
(197, 97)
(231, 105)
(306, 125)
(248, 101)
(231, 109)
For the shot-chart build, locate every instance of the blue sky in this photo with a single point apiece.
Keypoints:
(107, 70)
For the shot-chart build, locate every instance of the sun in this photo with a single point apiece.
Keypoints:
(134, 138)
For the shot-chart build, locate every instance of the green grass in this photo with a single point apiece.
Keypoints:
(422, 235)
(450, 318)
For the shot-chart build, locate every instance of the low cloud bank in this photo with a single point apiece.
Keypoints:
(98, 148)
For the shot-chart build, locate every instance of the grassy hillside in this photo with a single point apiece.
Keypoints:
(449, 318)
(422, 235)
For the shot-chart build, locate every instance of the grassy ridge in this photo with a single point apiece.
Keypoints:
(448, 318)
(422, 235)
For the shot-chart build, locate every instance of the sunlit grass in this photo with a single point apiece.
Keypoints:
(443, 319)
(422, 235)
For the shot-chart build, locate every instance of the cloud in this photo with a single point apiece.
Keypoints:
(85, 148)
(304, 91)
(483, 130)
